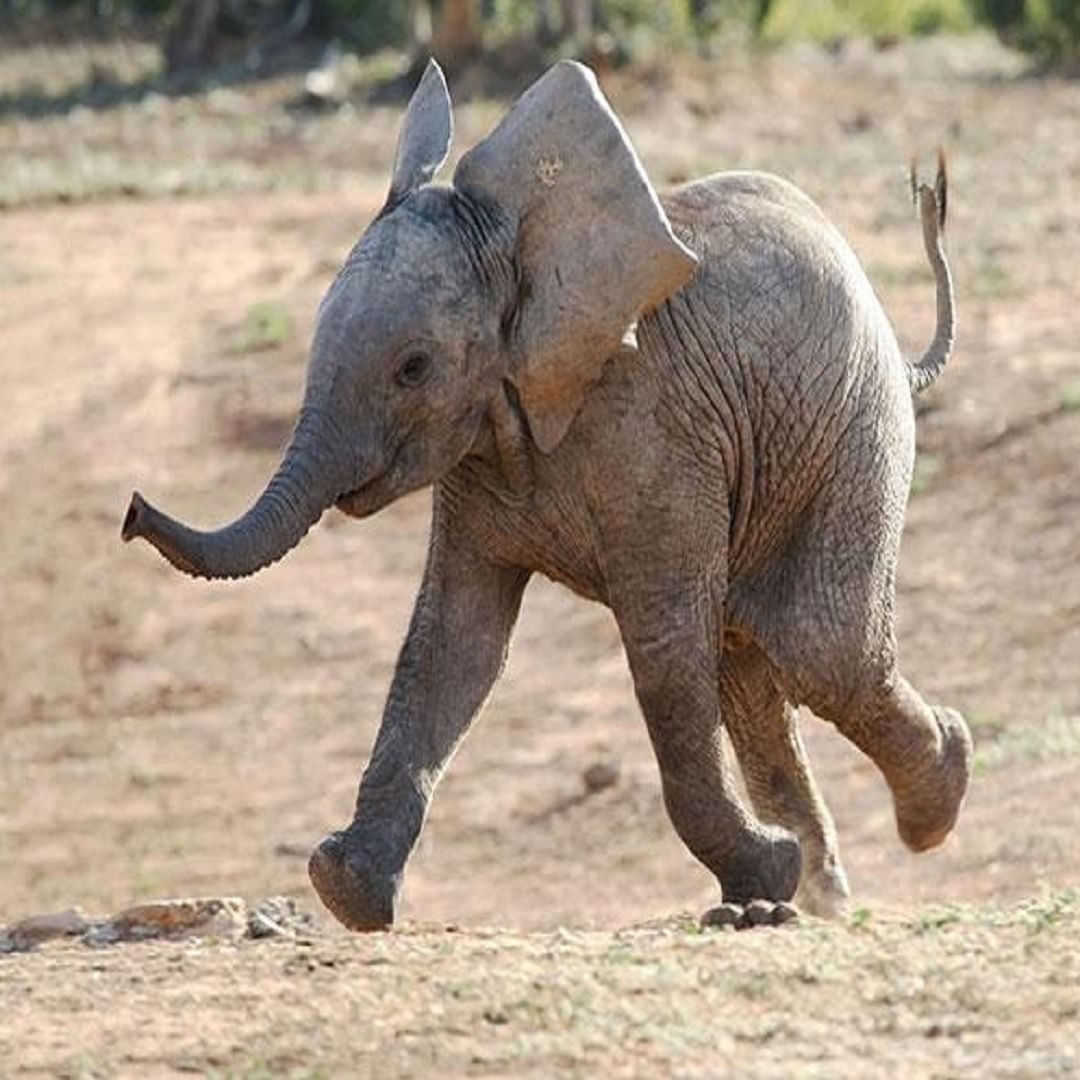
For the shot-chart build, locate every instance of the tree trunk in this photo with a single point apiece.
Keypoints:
(457, 32)
(577, 20)
(419, 29)
(192, 41)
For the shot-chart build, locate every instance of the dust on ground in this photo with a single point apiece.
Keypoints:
(160, 736)
(944, 993)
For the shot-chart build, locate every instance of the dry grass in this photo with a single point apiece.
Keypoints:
(956, 991)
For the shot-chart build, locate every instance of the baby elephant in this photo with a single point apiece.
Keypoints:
(690, 408)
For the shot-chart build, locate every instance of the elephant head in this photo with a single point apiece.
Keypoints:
(526, 271)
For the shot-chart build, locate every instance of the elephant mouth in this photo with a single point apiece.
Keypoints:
(367, 499)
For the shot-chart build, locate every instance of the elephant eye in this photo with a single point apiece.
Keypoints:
(414, 369)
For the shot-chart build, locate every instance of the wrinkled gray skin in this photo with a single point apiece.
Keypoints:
(730, 480)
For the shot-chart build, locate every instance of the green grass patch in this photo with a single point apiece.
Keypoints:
(992, 280)
(266, 326)
(926, 922)
(859, 918)
(896, 274)
(824, 20)
(1069, 399)
(927, 467)
(1056, 738)
(1049, 910)
(985, 726)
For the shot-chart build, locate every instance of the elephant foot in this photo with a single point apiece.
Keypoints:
(927, 811)
(746, 916)
(356, 895)
(767, 868)
(824, 892)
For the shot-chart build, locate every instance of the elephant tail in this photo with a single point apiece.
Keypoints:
(932, 203)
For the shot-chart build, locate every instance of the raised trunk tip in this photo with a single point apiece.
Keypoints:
(134, 518)
(144, 520)
(305, 484)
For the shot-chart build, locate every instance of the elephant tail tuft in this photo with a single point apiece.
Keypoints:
(932, 203)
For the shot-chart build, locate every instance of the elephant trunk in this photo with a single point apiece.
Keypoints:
(308, 480)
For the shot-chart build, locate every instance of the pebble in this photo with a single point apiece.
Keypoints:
(225, 917)
(600, 775)
(37, 929)
(784, 913)
(723, 915)
(756, 913)
(278, 916)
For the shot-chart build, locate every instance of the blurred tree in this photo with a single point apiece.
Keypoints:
(457, 34)
(192, 41)
(761, 15)
(419, 27)
(195, 32)
(1049, 29)
(1003, 15)
(576, 23)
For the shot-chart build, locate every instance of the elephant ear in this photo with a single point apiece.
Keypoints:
(593, 246)
(425, 135)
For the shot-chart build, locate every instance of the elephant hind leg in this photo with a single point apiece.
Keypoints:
(924, 752)
(825, 621)
(764, 731)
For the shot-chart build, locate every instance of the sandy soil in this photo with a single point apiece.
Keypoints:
(947, 993)
(165, 737)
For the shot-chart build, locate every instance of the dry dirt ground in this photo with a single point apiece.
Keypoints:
(160, 263)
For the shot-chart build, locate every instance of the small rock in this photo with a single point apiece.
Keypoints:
(278, 916)
(758, 913)
(100, 934)
(292, 851)
(191, 917)
(784, 913)
(327, 84)
(600, 775)
(37, 929)
(722, 915)
(323, 87)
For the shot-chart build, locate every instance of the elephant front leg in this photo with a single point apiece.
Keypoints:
(671, 645)
(453, 653)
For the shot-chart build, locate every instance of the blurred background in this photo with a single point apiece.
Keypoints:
(179, 180)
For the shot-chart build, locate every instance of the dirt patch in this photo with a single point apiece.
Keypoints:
(953, 991)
